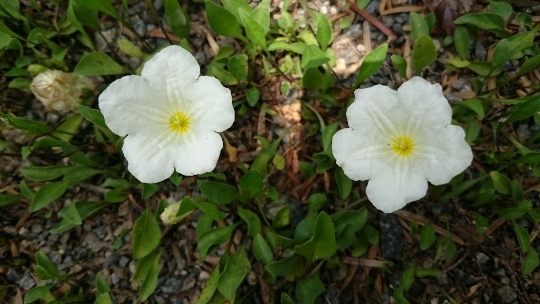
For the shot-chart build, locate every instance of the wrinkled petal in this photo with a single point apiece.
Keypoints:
(210, 104)
(395, 185)
(150, 156)
(173, 64)
(197, 153)
(131, 104)
(377, 107)
(359, 152)
(425, 103)
(443, 154)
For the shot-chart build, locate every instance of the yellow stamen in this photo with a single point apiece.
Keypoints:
(179, 122)
(403, 145)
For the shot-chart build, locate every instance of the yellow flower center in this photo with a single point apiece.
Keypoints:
(403, 145)
(179, 122)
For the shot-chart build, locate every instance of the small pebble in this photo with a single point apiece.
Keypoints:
(507, 294)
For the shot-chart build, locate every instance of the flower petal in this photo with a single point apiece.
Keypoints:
(150, 156)
(376, 107)
(426, 104)
(131, 104)
(443, 153)
(210, 104)
(395, 185)
(197, 153)
(172, 64)
(359, 152)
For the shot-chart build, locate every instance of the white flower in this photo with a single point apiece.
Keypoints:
(60, 91)
(170, 115)
(400, 140)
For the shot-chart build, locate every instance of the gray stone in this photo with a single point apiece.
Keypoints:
(94, 242)
(27, 282)
(354, 31)
(523, 132)
(481, 258)
(123, 261)
(507, 294)
(479, 51)
(373, 7)
(391, 238)
(458, 84)
(13, 275)
(114, 278)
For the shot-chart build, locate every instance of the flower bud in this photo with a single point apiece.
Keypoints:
(168, 217)
(60, 91)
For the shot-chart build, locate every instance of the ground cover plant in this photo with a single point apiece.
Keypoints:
(269, 152)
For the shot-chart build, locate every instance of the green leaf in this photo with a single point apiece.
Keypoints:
(286, 299)
(25, 124)
(524, 19)
(529, 65)
(237, 267)
(238, 67)
(146, 235)
(523, 237)
(262, 14)
(261, 250)
(45, 268)
(312, 79)
(219, 193)
(282, 218)
(322, 243)
(37, 293)
(251, 183)
(129, 48)
(400, 64)
(221, 21)
(529, 261)
(251, 219)
(309, 288)
(48, 193)
(426, 272)
(287, 266)
(150, 278)
(475, 105)
(98, 64)
(101, 283)
(210, 287)
(462, 41)
(501, 53)
(427, 236)
(500, 8)
(71, 214)
(252, 96)
(485, 21)
(6, 199)
(524, 110)
(424, 53)
(104, 6)
(222, 75)
(343, 182)
(501, 183)
(214, 237)
(254, 31)
(103, 298)
(313, 57)
(483, 68)
(234, 6)
(419, 26)
(371, 64)
(324, 31)
(36, 173)
(531, 158)
(177, 18)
